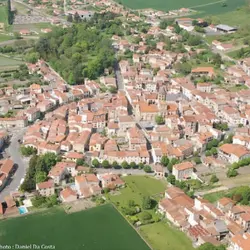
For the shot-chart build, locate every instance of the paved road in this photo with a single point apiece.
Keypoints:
(118, 76)
(14, 153)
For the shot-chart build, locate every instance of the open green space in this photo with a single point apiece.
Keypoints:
(162, 236)
(240, 16)
(213, 197)
(136, 188)
(204, 7)
(94, 229)
(4, 37)
(3, 14)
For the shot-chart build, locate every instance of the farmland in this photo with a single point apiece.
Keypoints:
(205, 7)
(94, 229)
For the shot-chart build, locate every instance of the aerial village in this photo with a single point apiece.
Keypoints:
(155, 111)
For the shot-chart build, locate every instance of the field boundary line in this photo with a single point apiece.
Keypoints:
(137, 231)
(206, 4)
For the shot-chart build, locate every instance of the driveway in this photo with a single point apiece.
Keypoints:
(22, 164)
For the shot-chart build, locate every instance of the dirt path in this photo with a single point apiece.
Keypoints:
(206, 4)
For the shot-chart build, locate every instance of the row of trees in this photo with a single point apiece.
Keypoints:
(232, 170)
(39, 167)
(10, 13)
(124, 165)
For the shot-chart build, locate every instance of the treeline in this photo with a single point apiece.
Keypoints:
(10, 13)
(82, 50)
(39, 167)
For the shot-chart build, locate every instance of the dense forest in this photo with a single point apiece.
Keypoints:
(82, 50)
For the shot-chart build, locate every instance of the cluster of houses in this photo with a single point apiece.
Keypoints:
(85, 185)
(204, 222)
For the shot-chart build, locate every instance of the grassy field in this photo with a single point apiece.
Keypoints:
(3, 14)
(4, 37)
(205, 7)
(100, 228)
(137, 187)
(213, 197)
(240, 17)
(161, 236)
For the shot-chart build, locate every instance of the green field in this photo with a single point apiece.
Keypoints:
(4, 37)
(100, 228)
(136, 188)
(161, 236)
(213, 197)
(206, 7)
(3, 14)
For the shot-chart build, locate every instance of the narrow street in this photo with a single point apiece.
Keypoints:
(118, 76)
(14, 153)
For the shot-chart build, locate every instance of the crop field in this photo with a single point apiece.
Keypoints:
(99, 228)
(204, 7)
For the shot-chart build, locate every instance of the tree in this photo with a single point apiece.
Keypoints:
(147, 169)
(159, 119)
(17, 35)
(172, 163)
(197, 160)
(80, 162)
(147, 202)
(214, 179)
(28, 185)
(131, 203)
(32, 57)
(232, 172)
(183, 68)
(95, 163)
(38, 201)
(105, 164)
(133, 165)
(217, 60)
(171, 179)
(199, 29)
(41, 176)
(208, 153)
(221, 126)
(141, 165)
(164, 160)
(70, 18)
(115, 165)
(52, 201)
(194, 40)
(27, 151)
(125, 165)
(145, 217)
(213, 151)
(77, 18)
(209, 246)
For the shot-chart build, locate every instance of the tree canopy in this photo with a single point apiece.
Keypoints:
(81, 51)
